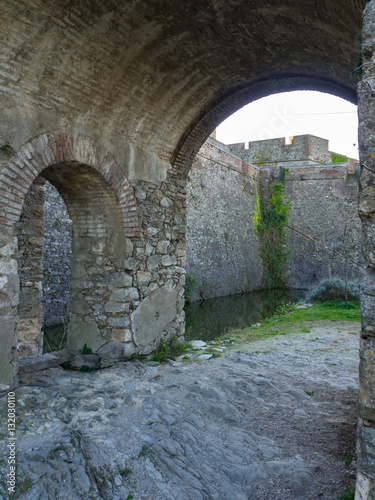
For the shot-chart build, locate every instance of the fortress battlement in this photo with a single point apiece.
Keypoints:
(301, 149)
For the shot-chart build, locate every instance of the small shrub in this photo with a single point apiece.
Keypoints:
(333, 289)
(162, 354)
(284, 309)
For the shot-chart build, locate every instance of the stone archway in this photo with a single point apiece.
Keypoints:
(103, 209)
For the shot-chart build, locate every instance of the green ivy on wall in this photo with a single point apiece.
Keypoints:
(270, 223)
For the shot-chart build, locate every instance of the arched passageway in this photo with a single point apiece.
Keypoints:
(97, 251)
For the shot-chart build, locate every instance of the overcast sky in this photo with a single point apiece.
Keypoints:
(295, 113)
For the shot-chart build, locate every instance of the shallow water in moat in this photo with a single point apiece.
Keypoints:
(209, 319)
(212, 318)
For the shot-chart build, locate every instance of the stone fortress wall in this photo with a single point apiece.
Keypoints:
(222, 248)
(222, 251)
(304, 149)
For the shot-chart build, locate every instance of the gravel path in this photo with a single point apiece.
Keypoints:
(276, 421)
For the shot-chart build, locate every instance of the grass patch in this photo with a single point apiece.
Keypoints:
(299, 320)
(186, 359)
(327, 311)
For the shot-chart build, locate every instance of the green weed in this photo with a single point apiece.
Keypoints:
(170, 351)
(85, 350)
(85, 368)
(143, 451)
(348, 495)
(125, 472)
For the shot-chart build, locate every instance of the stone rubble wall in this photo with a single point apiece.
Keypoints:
(57, 258)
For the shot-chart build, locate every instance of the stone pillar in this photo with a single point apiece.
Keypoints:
(365, 488)
(9, 297)
(30, 265)
(160, 255)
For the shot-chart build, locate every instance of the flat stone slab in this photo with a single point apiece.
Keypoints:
(205, 356)
(198, 344)
(49, 360)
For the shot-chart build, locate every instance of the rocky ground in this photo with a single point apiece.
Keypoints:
(275, 421)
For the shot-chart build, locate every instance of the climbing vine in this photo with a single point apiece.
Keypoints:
(270, 223)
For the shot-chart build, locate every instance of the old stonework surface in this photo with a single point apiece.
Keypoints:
(366, 444)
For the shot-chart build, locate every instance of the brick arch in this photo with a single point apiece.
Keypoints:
(219, 110)
(51, 149)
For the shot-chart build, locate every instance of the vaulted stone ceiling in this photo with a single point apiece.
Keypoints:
(149, 71)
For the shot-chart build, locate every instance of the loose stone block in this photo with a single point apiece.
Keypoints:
(115, 351)
(90, 360)
(153, 315)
